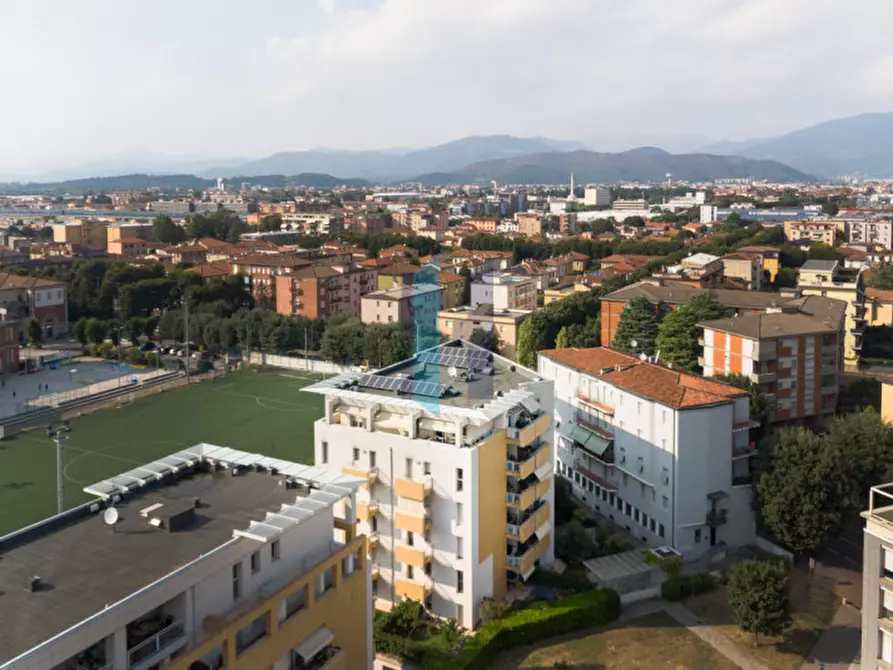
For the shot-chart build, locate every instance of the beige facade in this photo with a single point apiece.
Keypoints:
(829, 279)
(811, 231)
(747, 267)
(406, 305)
(83, 232)
(504, 290)
(463, 321)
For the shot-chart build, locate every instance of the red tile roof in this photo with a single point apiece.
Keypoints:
(676, 389)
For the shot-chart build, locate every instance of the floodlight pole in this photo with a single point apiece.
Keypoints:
(60, 488)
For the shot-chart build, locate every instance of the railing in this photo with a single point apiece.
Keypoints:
(325, 658)
(717, 517)
(157, 643)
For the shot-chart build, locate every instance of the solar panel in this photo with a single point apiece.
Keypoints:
(415, 387)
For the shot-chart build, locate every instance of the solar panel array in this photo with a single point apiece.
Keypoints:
(459, 358)
(401, 385)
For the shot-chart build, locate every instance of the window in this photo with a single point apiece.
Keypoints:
(426, 468)
(636, 514)
(458, 547)
(325, 452)
(410, 538)
(458, 514)
(460, 581)
(697, 535)
(627, 509)
(408, 468)
(410, 573)
(274, 550)
(458, 479)
(356, 454)
(640, 407)
(371, 458)
(653, 525)
(661, 530)
(255, 562)
(644, 520)
(237, 581)
(665, 502)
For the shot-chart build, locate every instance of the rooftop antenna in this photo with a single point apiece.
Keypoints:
(110, 517)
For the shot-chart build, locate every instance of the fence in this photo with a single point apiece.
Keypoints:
(306, 364)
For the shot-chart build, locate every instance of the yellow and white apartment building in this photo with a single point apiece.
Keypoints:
(217, 558)
(456, 444)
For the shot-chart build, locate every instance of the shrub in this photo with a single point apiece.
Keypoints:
(105, 350)
(685, 586)
(573, 581)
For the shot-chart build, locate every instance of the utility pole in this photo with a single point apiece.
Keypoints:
(186, 335)
(57, 434)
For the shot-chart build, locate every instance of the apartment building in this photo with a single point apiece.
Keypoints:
(262, 270)
(128, 248)
(319, 291)
(461, 322)
(867, 231)
(133, 230)
(877, 580)
(663, 453)
(88, 233)
(504, 290)
(793, 351)
(748, 268)
(811, 231)
(530, 224)
(397, 274)
(831, 280)
(770, 257)
(457, 446)
(9, 347)
(218, 558)
(46, 300)
(630, 205)
(453, 286)
(406, 305)
(669, 295)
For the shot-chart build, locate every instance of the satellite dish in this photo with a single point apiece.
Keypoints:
(110, 516)
(634, 343)
(453, 371)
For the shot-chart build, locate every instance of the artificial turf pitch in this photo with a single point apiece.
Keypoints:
(261, 412)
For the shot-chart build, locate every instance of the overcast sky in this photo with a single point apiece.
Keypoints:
(88, 79)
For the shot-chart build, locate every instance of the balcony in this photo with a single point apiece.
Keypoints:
(522, 559)
(370, 473)
(158, 645)
(330, 658)
(528, 432)
(413, 523)
(367, 510)
(414, 556)
(604, 409)
(520, 528)
(523, 498)
(717, 517)
(527, 460)
(763, 377)
(417, 588)
(372, 540)
(413, 490)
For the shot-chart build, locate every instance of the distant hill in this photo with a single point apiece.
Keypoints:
(392, 166)
(645, 164)
(178, 182)
(858, 144)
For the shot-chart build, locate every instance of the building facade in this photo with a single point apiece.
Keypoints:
(461, 322)
(219, 558)
(877, 580)
(406, 305)
(793, 352)
(829, 279)
(23, 297)
(504, 290)
(597, 196)
(867, 231)
(460, 500)
(746, 267)
(319, 291)
(665, 454)
(810, 231)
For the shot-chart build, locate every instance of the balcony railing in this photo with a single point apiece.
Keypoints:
(157, 643)
(325, 659)
(717, 517)
(414, 490)
(370, 473)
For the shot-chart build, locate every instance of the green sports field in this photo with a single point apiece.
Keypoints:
(263, 412)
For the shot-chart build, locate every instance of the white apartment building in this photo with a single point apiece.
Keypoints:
(457, 446)
(877, 580)
(866, 231)
(218, 558)
(662, 453)
(597, 196)
(504, 290)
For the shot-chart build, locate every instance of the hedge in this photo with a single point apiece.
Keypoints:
(569, 582)
(685, 586)
(529, 624)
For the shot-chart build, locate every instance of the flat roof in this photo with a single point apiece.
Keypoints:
(676, 294)
(485, 312)
(86, 566)
(494, 387)
(403, 292)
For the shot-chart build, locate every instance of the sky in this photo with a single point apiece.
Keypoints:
(92, 79)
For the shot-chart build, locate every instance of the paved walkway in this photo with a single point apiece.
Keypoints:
(713, 637)
(838, 648)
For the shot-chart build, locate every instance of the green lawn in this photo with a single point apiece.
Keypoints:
(263, 412)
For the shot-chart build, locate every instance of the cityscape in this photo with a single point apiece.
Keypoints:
(576, 373)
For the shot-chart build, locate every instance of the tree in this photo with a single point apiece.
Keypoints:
(864, 442)
(758, 594)
(135, 328)
(166, 231)
(344, 343)
(579, 335)
(800, 495)
(678, 333)
(270, 223)
(830, 208)
(465, 273)
(787, 278)
(636, 221)
(114, 331)
(80, 331)
(639, 324)
(150, 326)
(822, 252)
(881, 277)
(34, 332)
(573, 544)
(488, 339)
(759, 408)
(96, 331)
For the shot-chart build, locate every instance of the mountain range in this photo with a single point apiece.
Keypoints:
(857, 145)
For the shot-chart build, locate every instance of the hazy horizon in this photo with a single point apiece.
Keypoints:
(204, 81)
